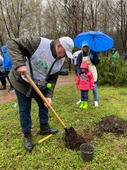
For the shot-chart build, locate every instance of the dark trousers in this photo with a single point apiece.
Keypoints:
(84, 95)
(3, 79)
(25, 111)
(7, 72)
(75, 69)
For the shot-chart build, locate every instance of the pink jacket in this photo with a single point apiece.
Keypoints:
(88, 83)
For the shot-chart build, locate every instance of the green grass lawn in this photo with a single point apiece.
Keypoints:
(110, 151)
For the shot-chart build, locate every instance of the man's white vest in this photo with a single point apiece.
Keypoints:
(42, 60)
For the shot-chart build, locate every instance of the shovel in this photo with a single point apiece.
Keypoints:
(70, 136)
(44, 99)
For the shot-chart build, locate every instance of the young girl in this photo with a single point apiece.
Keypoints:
(84, 82)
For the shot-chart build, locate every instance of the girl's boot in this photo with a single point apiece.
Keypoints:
(81, 105)
(85, 106)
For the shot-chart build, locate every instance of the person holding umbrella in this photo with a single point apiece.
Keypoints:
(92, 60)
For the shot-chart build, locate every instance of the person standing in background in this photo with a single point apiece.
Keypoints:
(92, 60)
(7, 64)
(114, 54)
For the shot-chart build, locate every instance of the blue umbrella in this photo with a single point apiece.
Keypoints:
(97, 41)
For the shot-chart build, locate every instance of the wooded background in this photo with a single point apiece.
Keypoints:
(56, 18)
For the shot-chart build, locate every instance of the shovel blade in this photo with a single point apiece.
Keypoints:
(72, 139)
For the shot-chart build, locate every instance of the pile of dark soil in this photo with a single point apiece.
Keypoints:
(111, 124)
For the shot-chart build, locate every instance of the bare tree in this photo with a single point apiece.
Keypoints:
(122, 24)
(118, 9)
(92, 13)
(1, 30)
(62, 17)
(20, 16)
(75, 16)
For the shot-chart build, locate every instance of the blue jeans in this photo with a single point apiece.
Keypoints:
(25, 111)
(95, 92)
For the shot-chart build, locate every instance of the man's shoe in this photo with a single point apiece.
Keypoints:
(3, 88)
(28, 141)
(45, 129)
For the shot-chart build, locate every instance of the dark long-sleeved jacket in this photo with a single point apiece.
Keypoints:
(18, 50)
(94, 59)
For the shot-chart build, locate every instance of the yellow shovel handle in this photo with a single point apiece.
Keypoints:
(42, 140)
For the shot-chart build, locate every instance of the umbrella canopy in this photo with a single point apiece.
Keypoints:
(97, 41)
